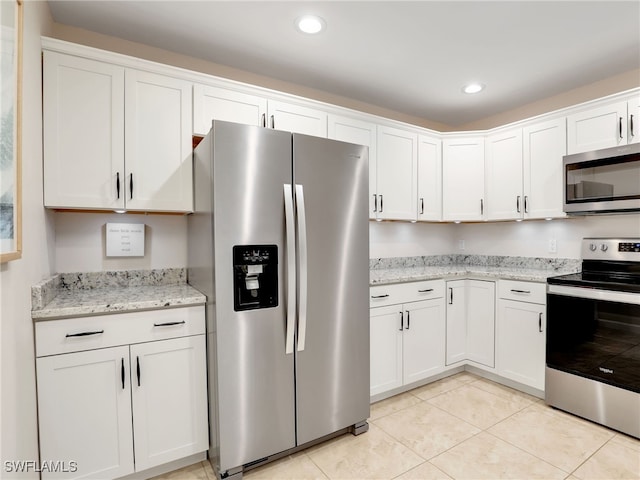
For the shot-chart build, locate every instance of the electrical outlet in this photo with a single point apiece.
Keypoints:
(461, 244)
(553, 246)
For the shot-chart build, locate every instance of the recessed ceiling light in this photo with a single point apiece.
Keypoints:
(310, 24)
(473, 88)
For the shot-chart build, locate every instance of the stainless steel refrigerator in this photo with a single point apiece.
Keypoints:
(279, 244)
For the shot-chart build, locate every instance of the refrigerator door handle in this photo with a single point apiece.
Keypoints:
(291, 267)
(302, 259)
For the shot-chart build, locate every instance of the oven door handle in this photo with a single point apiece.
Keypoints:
(594, 294)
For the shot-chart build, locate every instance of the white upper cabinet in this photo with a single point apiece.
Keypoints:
(359, 132)
(396, 174)
(158, 142)
(429, 178)
(600, 127)
(544, 145)
(633, 110)
(296, 118)
(83, 115)
(215, 103)
(114, 137)
(463, 178)
(503, 160)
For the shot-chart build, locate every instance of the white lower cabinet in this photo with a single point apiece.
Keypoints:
(521, 332)
(471, 322)
(407, 339)
(126, 408)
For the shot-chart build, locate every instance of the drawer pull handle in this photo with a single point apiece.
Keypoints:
(84, 334)
(168, 324)
(138, 369)
(380, 296)
(514, 290)
(426, 290)
(122, 371)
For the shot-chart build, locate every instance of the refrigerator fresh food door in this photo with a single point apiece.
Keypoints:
(255, 384)
(332, 350)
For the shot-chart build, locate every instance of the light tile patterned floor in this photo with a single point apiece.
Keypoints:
(461, 427)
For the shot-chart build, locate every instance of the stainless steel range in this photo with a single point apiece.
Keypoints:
(593, 336)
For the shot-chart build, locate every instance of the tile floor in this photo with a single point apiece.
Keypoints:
(461, 427)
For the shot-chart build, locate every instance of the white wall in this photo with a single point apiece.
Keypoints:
(80, 242)
(531, 239)
(18, 437)
(402, 239)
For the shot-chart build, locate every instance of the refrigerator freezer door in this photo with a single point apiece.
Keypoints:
(332, 372)
(255, 382)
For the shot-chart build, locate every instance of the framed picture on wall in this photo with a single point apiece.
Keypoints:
(10, 129)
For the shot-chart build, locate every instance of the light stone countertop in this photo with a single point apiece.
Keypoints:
(80, 295)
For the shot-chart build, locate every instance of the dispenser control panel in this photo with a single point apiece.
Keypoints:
(255, 276)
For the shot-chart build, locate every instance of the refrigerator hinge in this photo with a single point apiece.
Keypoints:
(360, 427)
(232, 474)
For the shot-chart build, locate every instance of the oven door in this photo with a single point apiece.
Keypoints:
(595, 334)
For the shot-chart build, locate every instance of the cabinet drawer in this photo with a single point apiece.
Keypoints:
(87, 333)
(381, 295)
(531, 292)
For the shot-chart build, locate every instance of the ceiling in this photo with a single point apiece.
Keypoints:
(410, 57)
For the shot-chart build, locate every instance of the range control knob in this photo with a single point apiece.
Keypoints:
(604, 247)
(593, 247)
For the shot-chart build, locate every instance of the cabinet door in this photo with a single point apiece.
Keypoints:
(633, 111)
(158, 143)
(397, 169)
(84, 408)
(456, 322)
(521, 342)
(169, 397)
(503, 161)
(361, 133)
(297, 119)
(215, 103)
(423, 339)
(83, 116)
(463, 179)
(544, 146)
(600, 127)
(429, 178)
(386, 348)
(481, 322)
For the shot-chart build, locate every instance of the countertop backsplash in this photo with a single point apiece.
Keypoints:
(456, 259)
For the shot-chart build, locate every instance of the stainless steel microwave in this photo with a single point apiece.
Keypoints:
(602, 181)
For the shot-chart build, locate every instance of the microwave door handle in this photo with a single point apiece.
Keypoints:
(291, 268)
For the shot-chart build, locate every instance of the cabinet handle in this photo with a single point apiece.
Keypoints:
(122, 371)
(481, 206)
(408, 319)
(273, 122)
(118, 185)
(401, 321)
(526, 204)
(168, 324)
(380, 296)
(138, 369)
(422, 206)
(426, 290)
(620, 127)
(264, 120)
(518, 203)
(631, 125)
(540, 322)
(381, 205)
(375, 203)
(84, 334)
(131, 185)
(514, 290)
(450, 296)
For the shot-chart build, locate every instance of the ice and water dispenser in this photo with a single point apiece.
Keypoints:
(255, 279)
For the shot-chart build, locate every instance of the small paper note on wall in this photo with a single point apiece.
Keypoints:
(125, 239)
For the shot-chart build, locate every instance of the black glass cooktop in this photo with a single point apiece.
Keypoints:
(620, 281)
